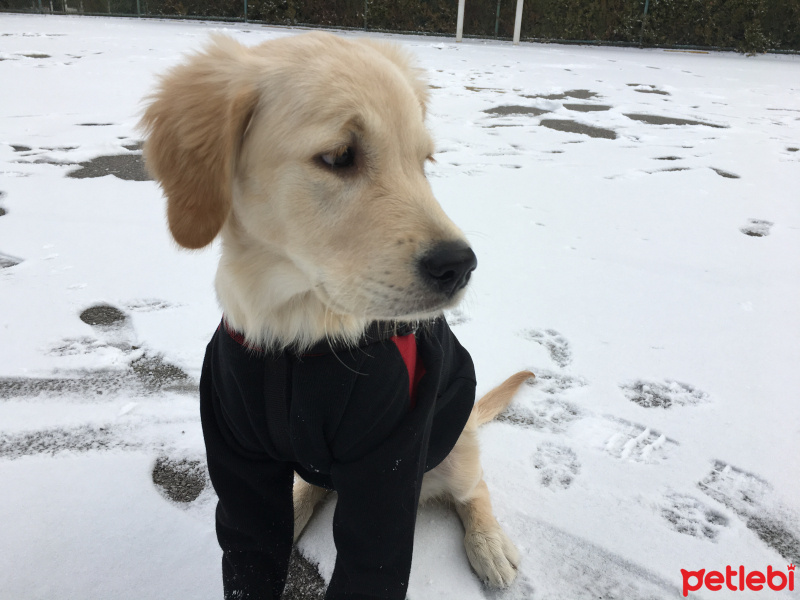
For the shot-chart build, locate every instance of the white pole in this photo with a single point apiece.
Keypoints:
(518, 22)
(460, 23)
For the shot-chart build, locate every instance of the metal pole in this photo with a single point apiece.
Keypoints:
(518, 22)
(366, 11)
(644, 22)
(138, 9)
(497, 20)
(245, 10)
(460, 23)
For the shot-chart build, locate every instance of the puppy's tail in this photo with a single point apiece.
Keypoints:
(495, 401)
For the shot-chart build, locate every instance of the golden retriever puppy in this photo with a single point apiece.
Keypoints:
(306, 156)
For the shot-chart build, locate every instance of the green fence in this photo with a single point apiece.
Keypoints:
(744, 25)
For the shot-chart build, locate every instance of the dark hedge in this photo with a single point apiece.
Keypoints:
(745, 25)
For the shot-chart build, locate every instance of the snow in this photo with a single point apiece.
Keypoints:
(663, 431)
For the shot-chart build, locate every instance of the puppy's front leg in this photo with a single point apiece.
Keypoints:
(306, 497)
(489, 550)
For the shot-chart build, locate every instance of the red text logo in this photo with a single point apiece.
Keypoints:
(738, 579)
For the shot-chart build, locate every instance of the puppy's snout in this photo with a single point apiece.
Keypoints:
(447, 266)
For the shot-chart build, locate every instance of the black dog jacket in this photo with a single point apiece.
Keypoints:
(366, 421)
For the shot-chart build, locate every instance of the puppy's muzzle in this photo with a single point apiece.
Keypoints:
(447, 267)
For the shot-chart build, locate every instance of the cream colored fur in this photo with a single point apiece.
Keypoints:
(241, 140)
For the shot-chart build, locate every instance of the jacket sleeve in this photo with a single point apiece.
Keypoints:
(378, 466)
(375, 516)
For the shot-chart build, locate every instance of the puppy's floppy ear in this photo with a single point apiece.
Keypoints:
(194, 124)
(405, 62)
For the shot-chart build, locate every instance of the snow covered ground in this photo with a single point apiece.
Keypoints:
(637, 223)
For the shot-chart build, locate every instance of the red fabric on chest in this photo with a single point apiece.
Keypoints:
(407, 345)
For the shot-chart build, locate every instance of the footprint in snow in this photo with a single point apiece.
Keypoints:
(556, 466)
(689, 516)
(553, 383)
(637, 443)
(553, 416)
(751, 498)
(653, 394)
(556, 344)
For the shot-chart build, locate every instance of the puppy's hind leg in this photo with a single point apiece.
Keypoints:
(306, 497)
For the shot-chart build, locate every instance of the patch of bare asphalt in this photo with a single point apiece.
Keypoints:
(574, 127)
(103, 315)
(304, 581)
(725, 174)
(659, 120)
(52, 441)
(129, 167)
(148, 374)
(20, 148)
(516, 110)
(180, 480)
(587, 107)
(6, 260)
(671, 170)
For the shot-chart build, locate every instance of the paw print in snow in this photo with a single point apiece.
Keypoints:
(686, 514)
(556, 465)
(651, 394)
(556, 344)
(637, 443)
(551, 382)
(752, 499)
(553, 416)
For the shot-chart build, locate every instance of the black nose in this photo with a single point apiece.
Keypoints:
(447, 266)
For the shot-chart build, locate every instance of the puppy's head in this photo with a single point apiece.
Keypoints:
(310, 151)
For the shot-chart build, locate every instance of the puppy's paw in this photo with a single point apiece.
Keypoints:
(493, 556)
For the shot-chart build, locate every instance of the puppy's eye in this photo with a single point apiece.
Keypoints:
(341, 158)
